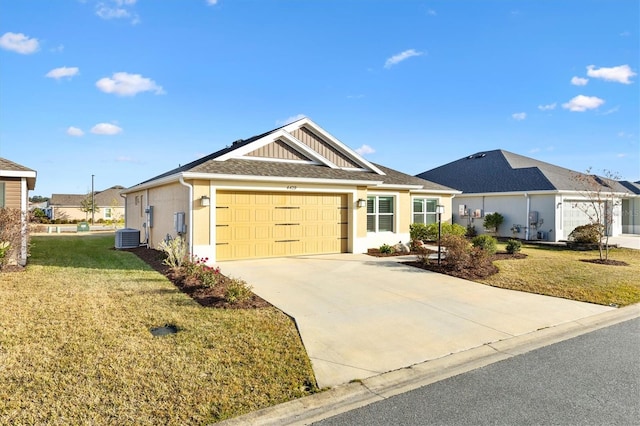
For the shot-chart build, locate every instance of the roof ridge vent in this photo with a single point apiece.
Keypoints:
(481, 155)
(237, 142)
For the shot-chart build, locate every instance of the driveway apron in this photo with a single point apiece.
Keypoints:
(360, 316)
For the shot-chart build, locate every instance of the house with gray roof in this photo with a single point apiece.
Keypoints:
(539, 201)
(74, 207)
(15, 183)
(293, 190)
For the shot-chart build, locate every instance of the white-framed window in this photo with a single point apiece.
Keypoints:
(424, 210)
(380, 213)
(108, 213)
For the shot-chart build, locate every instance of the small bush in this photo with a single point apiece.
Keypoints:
(430, 232)
(386, 249)
(176, 251)
(197, 267)
(11, 234)
(587, 234)
(485, 242)
(237, 291)
(493, 221)
(458, 254)
(471, 231)
(514, 246)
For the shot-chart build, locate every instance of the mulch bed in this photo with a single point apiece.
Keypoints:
(474, 273)
(210, 297)
(609, 262)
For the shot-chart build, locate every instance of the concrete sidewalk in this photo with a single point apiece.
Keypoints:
(361, 316)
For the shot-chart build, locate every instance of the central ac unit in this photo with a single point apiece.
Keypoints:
(127, 238)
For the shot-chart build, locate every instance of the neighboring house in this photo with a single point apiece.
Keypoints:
(538, 200)
(15, 183)
(109, 205)
(291, 191)
(631, 209)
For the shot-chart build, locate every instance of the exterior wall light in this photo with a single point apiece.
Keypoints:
(205, 201)
(361, 203)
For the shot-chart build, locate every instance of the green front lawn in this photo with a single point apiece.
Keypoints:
(76, 347)
(560, 272)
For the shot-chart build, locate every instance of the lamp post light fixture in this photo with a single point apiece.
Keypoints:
(439, 211)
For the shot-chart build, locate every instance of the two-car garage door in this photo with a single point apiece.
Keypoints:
(271, 224)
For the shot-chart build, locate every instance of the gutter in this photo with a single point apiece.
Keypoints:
(190, 231)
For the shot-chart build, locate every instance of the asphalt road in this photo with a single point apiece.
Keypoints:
(593, 379)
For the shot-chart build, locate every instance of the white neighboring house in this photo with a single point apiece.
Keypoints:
(539, 201)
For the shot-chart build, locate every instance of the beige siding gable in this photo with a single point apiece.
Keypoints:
(323, 148)
(278, 150)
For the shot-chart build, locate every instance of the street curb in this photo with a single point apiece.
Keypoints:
(343, 398)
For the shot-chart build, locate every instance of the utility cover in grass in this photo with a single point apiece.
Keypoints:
(164, 330)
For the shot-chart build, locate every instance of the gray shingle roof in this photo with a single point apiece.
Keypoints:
(10, 165)
(503, 171)
(106, 198)
(243, 167)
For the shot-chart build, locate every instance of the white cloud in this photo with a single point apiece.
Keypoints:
(582, 103)
(212, 2)
(402, 56)
(431, 12)
(365, 149)
(547, 107)
(579, 81)
(125, 84)
(290, 120)
(106, 129)
(519, 116)
(117, 9)
(59, 48)
(74, 131)
(19, 42)
(125, 159)
(619, 74)
(61, 72)
(612, 110)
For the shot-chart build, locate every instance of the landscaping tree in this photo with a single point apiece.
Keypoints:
(599, 193)
(493, 221)
(87, 206)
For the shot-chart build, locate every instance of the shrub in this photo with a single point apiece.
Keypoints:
(237, 291)
(418, 231)
(471, 231)
(493, 221)
(176, 251)
(458, 254)
(485, 242)
(386, 249)
(514, 246)
(10, 234)
(587, 234)
(430, 232)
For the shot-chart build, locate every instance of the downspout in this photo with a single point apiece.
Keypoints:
(190, 239)
(125, 207)
(526, 228)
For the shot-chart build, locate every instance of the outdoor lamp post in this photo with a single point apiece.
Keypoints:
(439, 210)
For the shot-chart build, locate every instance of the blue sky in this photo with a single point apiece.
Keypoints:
(128, 89)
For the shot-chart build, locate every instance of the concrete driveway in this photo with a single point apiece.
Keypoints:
(360, 316)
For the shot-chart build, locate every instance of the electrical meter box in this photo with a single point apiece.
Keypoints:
(533, 217)
(179, 223)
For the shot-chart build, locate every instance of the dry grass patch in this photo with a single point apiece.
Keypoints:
(76, 347)
(560, 272)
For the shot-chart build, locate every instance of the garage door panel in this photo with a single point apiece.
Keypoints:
(279, 224)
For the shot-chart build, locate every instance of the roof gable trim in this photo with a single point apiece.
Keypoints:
(309, 124)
